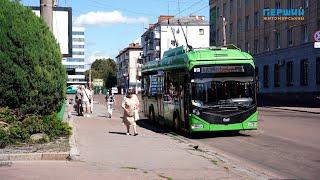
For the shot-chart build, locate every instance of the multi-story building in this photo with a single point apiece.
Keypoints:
(288, 65)
(75, 65)
(168, 33)
(129, 67)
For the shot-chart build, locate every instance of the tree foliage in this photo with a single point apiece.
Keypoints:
(104, 69)
(32, 75)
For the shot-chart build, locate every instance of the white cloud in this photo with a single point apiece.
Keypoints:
(104, 18)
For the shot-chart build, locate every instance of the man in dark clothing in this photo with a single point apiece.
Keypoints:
(79, 100)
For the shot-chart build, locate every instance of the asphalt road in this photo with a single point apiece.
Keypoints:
(287, 144)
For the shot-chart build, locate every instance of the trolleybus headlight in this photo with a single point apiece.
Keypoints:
(196, 112)
(196, 126)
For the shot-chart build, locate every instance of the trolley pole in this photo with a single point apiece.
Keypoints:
(224, 25)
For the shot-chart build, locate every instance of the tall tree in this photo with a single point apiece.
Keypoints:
(104, 69)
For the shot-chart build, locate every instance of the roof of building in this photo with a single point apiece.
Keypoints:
(165, 20)
(132, 46)
(190, 21)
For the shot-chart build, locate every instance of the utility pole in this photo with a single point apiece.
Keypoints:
(90, 77)
(46, 9)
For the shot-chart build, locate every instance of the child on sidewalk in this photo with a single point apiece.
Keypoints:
(110, 104)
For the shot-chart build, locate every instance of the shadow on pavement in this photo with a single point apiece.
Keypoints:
(103, 116)
(145, 123)
(218, 134)
(120, 133)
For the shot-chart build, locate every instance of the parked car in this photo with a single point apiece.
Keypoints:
(71, 89)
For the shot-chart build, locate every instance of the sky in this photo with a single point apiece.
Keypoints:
(111, 25)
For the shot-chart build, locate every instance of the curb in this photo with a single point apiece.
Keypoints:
(61, 156)
(296, 110)
(74, 153)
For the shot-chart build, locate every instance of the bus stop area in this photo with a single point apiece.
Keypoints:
(106, 152)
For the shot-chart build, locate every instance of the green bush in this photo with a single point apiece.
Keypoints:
(32, 75)
(33, 124)
(54, 127)
(6, 115)
(4, 137)
(18, 133)
(19, 129)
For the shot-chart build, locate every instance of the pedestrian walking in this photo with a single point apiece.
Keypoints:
(91, 103)
(136, 107)
(110, 104)
(128, 105)
(86, 101)
(78, 98)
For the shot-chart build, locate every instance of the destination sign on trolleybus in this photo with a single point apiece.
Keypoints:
(220, 69)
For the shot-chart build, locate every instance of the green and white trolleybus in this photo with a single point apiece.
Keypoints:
(208, 89)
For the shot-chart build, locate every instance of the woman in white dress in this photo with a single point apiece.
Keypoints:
(129, 103)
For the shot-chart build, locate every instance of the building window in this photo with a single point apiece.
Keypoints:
(256, 19)
(218, 12)
(78, 39)
(231, 30)
(224, 9)
(277, 5)
(78, 46)
(289, 73)
(304, 72)
(305, 4)
(256, 46)
(265, 76)
(266, 43)
(276, 75)
(289, 37)
(77, 33)
(277, 34)
(201, 31)
(77, 53)
(290, 4)
(318, 70)
(304, 33)
(247, 23)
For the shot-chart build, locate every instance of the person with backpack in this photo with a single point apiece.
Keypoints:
(110, 104)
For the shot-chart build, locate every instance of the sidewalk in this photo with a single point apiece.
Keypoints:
(105, 152)
(150, 155)
(299, 109)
